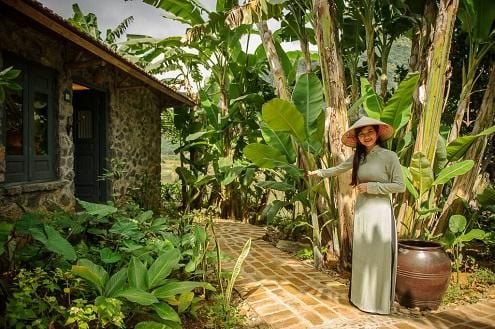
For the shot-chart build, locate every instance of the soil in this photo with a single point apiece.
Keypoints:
(251, 319)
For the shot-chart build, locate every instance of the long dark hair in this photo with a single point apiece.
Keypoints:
(360, 153)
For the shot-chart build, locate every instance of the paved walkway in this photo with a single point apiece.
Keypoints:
(289, 294)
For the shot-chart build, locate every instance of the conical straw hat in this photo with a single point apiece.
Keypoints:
(385, 131)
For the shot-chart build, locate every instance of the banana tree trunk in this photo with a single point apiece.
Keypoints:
(279, 79)
(421, 42)
(332, 70)
(463, 187)
(370, 55)
(384, 76)
(438, 58)
(307, 55)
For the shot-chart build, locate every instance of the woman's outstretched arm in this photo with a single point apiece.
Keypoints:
(333, 171)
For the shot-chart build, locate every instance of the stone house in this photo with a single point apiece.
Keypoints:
(81, 108)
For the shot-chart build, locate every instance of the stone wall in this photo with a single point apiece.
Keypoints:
(135, 140)
(15, 199)
(133, 131)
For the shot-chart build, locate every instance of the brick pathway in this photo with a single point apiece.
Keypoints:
(287, 293)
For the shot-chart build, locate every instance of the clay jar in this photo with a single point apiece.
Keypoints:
(423, 272)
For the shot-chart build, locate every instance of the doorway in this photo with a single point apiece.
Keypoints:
(90, 125)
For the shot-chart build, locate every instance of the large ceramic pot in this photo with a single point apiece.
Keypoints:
(423, 272)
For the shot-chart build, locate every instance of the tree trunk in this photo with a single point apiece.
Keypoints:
(307, 55)
(421, 42)
(429, 125)
(332, 70)
(463, 187)
(384, 76)
(370, 52)
(279, 79)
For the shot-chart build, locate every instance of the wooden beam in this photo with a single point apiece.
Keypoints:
(60, 27)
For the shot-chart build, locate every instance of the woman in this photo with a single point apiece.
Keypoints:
(376, 173)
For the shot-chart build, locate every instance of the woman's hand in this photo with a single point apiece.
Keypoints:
(312, 173)
(362, 188)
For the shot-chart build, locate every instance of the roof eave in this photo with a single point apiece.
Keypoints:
(92, 46)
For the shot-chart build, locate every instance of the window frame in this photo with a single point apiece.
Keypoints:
(34, 167)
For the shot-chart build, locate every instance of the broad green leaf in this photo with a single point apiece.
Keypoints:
(54, 242)
(397, 112)
(458, 147)
(271, 210)
(138, 296)
(137, 274)
(279, 186)
(197, 135)
(421, 172)
(145, 216)
(280, 141)
(409, 185)
(457, 223)
(440, 155)
(59, 244)
(166, 312)
(473, 234)
(185, 300)
(457, 169)
(172, 288)
(126, 228)
(264, 156)
(38, 234)
(116, 283)
(308, 99)
(283, 116)
(448, 239)
(373, 104)
(200, 234)
(204, 180)
(108, 256)
(162, 267)
(98, 210)
(185, 11)
(94, 274)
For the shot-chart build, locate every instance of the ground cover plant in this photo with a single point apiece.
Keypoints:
(109, 267)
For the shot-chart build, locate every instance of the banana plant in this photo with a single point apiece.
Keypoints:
(89, 25)
(293, 133)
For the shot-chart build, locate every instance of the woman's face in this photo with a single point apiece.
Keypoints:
(367, 136)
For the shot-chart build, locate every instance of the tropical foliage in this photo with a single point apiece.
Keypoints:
(241, 138)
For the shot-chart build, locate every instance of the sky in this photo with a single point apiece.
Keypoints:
(148, 20)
